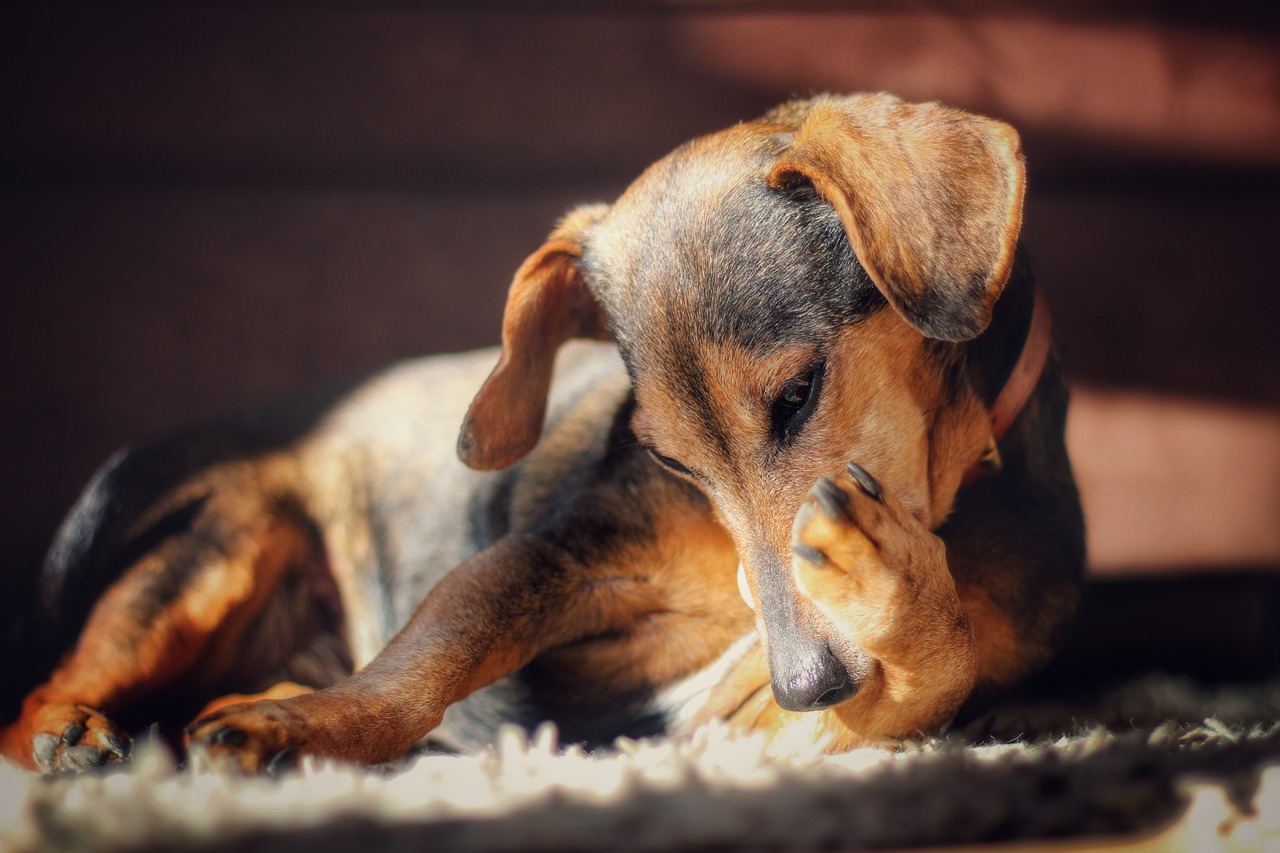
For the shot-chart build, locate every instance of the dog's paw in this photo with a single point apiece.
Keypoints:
(252, 737)
(67, 738)
(863, 558)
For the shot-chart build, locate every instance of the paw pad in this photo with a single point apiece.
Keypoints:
(87, 740)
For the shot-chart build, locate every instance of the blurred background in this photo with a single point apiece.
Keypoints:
(208, 205)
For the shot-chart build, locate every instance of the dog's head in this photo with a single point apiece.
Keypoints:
(787, 295)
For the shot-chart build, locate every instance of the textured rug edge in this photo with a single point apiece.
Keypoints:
(714, 790)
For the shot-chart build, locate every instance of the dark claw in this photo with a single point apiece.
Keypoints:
(229, 737)
(43, 749)
(282, 762)
(808, 553)
(82, 758)
(832, 500)
(865, 481)
(74, 732)
(119, 745)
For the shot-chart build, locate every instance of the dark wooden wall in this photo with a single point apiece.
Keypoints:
(205, 204)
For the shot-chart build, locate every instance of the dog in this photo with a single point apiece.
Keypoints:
(804, 473)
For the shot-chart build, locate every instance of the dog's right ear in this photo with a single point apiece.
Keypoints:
(930, 198)
(548, 303)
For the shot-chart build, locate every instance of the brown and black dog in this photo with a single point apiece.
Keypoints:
(795, 502)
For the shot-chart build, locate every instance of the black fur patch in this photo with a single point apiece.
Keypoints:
(768, 268)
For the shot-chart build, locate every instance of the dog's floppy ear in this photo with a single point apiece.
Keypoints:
(548, 304)
(930, 197)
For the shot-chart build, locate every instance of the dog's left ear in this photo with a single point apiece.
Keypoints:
(930, 197)
(548, 303)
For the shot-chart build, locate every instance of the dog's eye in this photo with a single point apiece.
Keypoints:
(669, 463)
(794, 405)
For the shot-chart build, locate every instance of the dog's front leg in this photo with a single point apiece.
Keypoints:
(487, 618)
(881, 577)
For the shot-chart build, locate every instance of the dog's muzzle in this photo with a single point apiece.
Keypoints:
(804, 673)
(810, 679)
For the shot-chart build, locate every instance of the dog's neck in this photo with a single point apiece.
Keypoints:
(1026, 370)
(1019, 384)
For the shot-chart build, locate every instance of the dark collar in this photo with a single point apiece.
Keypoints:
(1026, 371)
(1018, 388)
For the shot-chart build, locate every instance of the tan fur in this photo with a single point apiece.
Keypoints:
(194, 640)
(577, 431)
(886, 587)
(894, 414)
(693, 617)
(1003, 656)
(547, 305)
(927, 195)
(601, 570)
(887, 412)
(282, 690)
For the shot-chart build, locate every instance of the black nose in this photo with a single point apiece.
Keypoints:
(812, 680)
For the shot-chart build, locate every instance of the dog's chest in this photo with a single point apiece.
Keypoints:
(596, 691)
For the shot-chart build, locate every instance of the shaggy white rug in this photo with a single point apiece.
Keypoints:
(1160, 763)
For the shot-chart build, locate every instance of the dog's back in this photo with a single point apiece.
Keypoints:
(367, 474)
